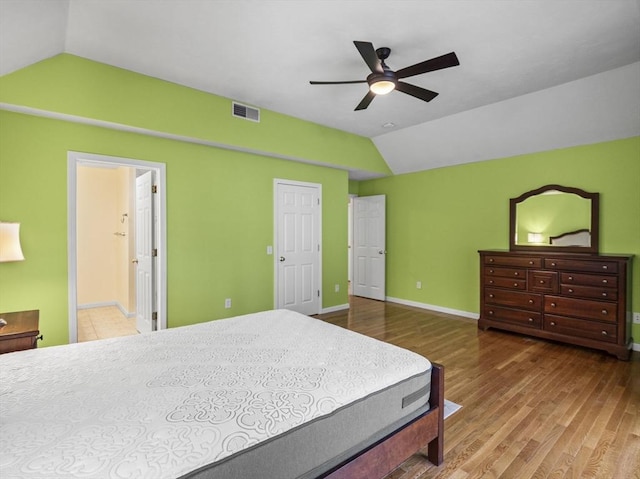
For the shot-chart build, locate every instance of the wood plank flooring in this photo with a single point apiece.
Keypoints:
(531, 408)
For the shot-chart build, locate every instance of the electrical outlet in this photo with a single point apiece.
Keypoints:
(227, 303)
(418, 284)
(337, 287)
(636, 318)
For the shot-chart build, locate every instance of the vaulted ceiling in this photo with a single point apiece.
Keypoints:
(520, 61)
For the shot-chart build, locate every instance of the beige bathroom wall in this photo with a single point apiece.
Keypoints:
(104, 259)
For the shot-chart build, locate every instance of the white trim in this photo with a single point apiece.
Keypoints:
(333, 309)
(26, 110)
(636, 346)
(75, 158)
(104, 304)
(433, 307)
(318, 186)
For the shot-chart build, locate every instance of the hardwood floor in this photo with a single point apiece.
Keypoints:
(531, 408)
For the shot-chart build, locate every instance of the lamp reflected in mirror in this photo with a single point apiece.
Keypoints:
(534, 237)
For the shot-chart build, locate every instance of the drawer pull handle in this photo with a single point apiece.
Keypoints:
(604, 295)
(531, 320)
(604, 281)
(490, 313)
(604, 333)
(516, 273)
(491, 271)
(491, 295)
(604, 311)
(542, 281)
(553, 264)
(490, 281)
(531, 301)
(530, 262)
(604, 266)
(490, 260)
(570, 290)
(570, 278)
(515, 285)
(553, 323)
(553, 305)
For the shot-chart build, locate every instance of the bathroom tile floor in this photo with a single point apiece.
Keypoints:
(104, 322)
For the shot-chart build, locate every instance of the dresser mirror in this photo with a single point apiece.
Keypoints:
(555, 218)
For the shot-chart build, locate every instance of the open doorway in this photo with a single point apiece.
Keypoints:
(106, 236)
(105, 249)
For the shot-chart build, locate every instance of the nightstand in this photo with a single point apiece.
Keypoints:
(21, 331)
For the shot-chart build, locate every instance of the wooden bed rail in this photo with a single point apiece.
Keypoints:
(387, 454)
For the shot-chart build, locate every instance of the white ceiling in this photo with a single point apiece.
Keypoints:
(264, 53)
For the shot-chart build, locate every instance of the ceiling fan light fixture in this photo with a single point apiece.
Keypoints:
(382, 87)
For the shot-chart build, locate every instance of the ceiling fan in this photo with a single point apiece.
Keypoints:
(383, 80)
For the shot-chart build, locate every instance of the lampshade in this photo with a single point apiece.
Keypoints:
(382, 87)
(10, 249)
(534, 237)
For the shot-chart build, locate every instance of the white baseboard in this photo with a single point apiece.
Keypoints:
(103, 304)
(636, 346)
(333, 309)
(433, 307)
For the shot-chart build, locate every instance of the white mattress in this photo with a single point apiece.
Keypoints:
(168, 403)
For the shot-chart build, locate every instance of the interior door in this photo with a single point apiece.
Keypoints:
(369, 256)
(144, 253)
(298, 247)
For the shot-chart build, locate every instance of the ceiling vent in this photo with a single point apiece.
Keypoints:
(246, 112)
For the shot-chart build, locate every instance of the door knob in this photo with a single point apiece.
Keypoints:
(134, 261)
(281, 259)
(382, 251)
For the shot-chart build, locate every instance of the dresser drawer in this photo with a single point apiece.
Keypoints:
(593, 292)
(500, 282)
(583, 308)
(581, 265)
(514, 299)
(522, 261)
(514, 316)
(543, 281)
(506, 272)
(578, 327)
(589, 279)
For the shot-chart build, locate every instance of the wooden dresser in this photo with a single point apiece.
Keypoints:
(21, 331)
(581, 299)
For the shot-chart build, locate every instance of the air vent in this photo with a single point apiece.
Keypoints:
(246, 112)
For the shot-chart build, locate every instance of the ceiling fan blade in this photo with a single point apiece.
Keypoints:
(368, 54)
(336, 82)
(416, 91)
(438, 63)
(365, 101)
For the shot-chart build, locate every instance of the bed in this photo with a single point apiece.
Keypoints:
(267, 395)
(580, 237)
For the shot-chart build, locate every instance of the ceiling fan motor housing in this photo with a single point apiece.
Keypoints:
(385, 76)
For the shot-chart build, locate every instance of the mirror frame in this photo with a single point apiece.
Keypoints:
(594, 227)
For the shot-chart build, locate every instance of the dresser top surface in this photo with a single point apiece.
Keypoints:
(20, 323)
(558, 254)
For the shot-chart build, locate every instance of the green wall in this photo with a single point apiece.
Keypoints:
(438, 219)
(77, 86)
(219, 201)
(219, 216)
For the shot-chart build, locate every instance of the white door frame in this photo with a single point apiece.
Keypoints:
(75, 159)
(318, 186)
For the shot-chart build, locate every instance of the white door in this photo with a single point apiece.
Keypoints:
(144, 253)
(369, 255)
(298, 247)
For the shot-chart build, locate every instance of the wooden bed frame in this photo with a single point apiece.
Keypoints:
(383, 457)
